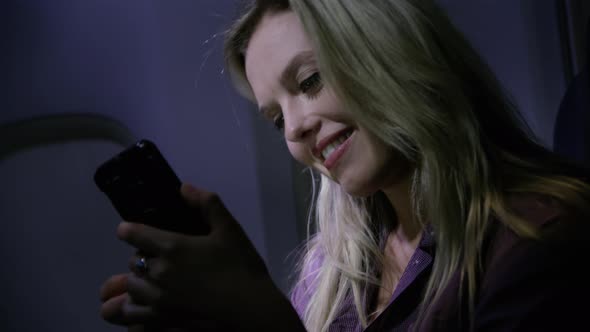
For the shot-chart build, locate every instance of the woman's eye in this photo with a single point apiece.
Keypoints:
(279, 122)
(311, 84)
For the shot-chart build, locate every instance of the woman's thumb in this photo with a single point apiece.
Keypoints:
(209, 205)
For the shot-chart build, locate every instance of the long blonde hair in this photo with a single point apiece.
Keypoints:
(404, 71)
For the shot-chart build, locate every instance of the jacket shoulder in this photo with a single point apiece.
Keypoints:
(530, 284)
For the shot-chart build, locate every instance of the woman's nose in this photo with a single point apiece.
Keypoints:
(299, 123)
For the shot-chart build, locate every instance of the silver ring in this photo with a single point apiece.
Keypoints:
(141, 265)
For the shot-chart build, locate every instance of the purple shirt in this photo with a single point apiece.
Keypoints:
(526, 284)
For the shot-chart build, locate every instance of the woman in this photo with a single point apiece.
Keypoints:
(436, 210)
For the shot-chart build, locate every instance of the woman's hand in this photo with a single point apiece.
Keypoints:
(197, 282)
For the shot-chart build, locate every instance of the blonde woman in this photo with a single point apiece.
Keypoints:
(436, 210)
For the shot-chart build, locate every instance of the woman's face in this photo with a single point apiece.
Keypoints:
(284, 76)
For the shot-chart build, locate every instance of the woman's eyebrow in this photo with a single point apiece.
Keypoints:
(288, 73)
(291, 70)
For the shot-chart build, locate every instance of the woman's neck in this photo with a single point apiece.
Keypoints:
(407, 227)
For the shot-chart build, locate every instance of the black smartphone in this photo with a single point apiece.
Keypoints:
(143, 188)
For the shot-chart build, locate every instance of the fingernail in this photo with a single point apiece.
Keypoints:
(122, 229)
(190, 189)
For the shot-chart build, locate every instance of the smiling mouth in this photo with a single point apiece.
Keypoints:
(333, 147)
(332, 154)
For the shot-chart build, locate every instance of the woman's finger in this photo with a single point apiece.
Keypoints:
(144, 292)
(115, 285)
(150, 240)
(120, 310)
(210, 205)
(150, 268)
(112, 309)
(140, 264)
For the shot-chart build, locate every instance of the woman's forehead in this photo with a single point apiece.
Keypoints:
(278, 39)
(277, 35)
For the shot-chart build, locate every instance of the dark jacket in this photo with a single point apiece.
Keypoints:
(525, 285)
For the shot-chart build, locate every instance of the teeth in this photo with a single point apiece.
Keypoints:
(334, 145)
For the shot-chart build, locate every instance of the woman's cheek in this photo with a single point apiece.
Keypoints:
(300, 153)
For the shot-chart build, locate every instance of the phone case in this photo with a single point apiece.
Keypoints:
(143, 188)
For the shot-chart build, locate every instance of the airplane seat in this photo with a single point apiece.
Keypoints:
(572, 127)
(58, 242)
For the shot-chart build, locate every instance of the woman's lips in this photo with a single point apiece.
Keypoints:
(317, 150)
(337, 154)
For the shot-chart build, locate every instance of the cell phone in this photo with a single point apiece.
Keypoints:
(143, 188)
